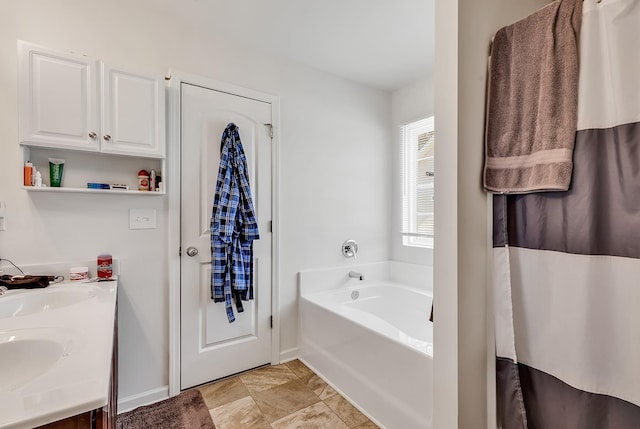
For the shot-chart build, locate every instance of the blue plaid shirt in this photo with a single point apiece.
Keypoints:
(233, 227)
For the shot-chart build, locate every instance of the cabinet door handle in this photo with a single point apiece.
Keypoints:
(92, 135)
(107, 137)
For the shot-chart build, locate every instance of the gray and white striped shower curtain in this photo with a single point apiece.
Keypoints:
(566, 275)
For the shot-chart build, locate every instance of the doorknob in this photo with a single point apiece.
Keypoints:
(192, 251)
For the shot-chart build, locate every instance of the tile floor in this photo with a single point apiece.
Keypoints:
(287, 396)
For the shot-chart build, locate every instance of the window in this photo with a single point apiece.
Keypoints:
(417, 140)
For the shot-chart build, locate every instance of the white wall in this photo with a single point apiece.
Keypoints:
(409, 103)
(335, 174)
(464, 357)
(335, 180)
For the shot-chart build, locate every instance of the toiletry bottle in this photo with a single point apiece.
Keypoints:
(28, 174)
(152, 180)
(38, 180)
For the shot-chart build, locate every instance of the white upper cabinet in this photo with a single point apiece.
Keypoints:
(132, 113)
(57, 99)
(69, 101)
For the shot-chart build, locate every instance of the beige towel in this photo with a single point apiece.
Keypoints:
(533, 101)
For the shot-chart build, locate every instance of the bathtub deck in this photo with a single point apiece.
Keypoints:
(284, 396)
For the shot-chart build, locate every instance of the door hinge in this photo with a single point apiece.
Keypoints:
(271, 322)
(270, 130)
(270, 226)
(180, 251)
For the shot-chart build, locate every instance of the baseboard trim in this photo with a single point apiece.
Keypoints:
(288, 355)
(128, 403)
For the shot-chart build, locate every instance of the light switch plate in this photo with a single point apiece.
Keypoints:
(142, 219)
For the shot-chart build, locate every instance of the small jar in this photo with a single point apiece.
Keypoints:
(105, 266)
(143, 180)
(78, 274)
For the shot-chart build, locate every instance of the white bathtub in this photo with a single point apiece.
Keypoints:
(376, 348)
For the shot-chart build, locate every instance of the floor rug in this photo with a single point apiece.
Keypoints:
(184, 411)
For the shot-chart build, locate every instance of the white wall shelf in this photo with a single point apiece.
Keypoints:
(84, 167)
(90, 191)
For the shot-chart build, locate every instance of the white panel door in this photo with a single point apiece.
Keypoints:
(211, 347)
(132, 113)
(58, 106)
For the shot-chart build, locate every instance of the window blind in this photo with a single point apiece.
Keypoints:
(417, 155)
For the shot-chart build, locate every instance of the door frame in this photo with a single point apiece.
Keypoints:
(175, 79)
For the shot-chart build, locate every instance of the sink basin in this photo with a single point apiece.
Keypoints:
(37, 301)
(27, 354)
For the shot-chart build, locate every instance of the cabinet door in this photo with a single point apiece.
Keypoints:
(133, 107)
(57, 99)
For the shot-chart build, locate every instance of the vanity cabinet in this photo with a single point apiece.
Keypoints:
(104, 417)
(70, 101)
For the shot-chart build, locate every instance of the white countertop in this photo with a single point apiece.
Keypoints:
(56, 362)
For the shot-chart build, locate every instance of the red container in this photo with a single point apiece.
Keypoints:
(143, 180)
(105, 266)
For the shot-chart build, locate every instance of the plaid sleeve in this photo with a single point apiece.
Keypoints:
(250, 224)
(222, 224)
(227, 196)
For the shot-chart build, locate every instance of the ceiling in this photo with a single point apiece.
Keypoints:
(385, 44)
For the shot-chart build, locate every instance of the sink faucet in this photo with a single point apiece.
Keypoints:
(356, 275)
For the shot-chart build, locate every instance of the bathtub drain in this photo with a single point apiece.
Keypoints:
(355, 294)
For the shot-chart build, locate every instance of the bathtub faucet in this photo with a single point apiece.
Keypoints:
(356, 275)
